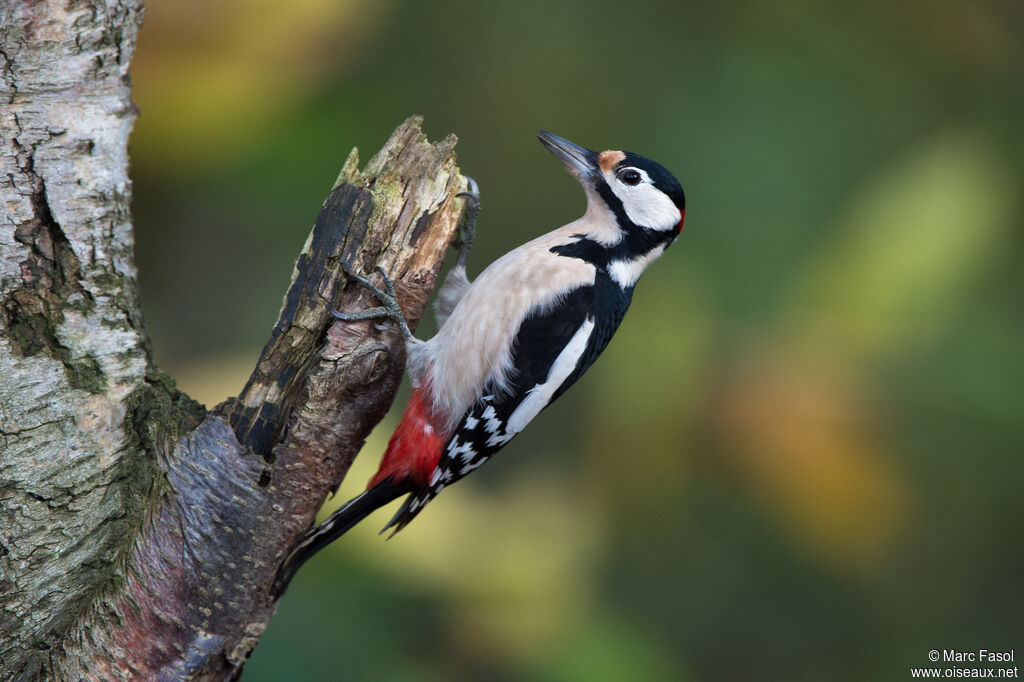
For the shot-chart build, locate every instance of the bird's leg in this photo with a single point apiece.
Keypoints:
(455, 282)
(389, 308)
(467, 231)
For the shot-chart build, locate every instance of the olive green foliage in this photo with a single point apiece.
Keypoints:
(800, 458)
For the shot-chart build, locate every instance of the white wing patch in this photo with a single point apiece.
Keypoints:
(627, 272)
(540, 395)
(474, 346)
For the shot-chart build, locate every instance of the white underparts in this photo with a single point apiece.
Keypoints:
(451, 292)
(417, 361)
(473, 348)
(540, 395)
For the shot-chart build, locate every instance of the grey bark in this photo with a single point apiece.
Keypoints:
(139, 532)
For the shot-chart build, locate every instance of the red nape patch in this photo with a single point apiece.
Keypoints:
(682, 219)
(415, 447)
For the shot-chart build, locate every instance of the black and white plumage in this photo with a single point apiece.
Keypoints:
(516, 338)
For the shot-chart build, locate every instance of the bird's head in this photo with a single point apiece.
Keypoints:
(640, 192)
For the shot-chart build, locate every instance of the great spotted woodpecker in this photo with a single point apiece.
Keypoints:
(517, 337)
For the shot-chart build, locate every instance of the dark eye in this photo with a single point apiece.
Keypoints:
(630, 176)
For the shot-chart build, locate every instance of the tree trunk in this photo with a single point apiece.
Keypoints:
(138, 532)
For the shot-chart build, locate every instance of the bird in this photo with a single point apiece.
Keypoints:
(512, 341)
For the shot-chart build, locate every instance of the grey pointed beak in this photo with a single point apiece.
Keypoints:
(580, 162)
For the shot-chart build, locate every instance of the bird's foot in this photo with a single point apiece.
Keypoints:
(388, 310)
(467, 231)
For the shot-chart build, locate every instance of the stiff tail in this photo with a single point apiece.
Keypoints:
(336, 525)
(412, 506)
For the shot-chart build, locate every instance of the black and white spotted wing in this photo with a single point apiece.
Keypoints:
(552, 349)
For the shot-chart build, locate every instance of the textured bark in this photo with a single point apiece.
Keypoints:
(138, 533)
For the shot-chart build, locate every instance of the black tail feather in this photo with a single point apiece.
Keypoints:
(336, 525)
(412, 506)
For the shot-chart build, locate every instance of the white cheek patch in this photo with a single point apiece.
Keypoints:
(644, 204)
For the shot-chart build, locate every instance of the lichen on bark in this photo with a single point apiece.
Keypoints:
(73, 485)
(138, 533)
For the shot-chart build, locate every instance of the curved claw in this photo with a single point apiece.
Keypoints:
(473, 191)
(467, 232)
(351, 274)
(389, 285)
(362, 280)
(389, 310)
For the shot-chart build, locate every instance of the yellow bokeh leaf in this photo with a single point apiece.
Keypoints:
(909, 247)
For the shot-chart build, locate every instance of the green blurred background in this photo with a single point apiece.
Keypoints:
(800, 458)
